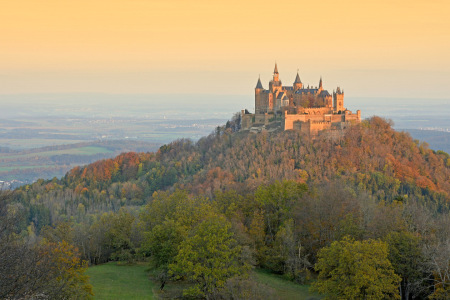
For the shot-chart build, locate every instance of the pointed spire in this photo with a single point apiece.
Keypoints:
(258, 84)
(320, 82)
(276, 69)
(297, 78)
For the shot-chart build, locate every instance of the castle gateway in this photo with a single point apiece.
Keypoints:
(310, 109)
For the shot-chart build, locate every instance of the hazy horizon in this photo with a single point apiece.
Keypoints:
(405, 112)
(370, 48)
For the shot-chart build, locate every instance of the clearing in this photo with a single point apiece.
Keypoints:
(113, 281)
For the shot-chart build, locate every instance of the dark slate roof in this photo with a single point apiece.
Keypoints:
(259, 85)
(288, 88)
(306, 91)
(280, 95)
(297, 79)
(324, 93)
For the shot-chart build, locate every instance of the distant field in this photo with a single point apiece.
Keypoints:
(111, 281)
(35, 143)
(12, 168)
(89, 150)
(29, 165)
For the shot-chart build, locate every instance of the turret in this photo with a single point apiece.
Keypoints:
(258, 97)
(320, 84)
(297, 83)
(259, 84)
(275, 73)
(275, 85)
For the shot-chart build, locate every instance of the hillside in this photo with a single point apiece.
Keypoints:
(273, 200)
(370, 157)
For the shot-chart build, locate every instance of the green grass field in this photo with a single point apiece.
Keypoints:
(285, 289)
(112, 281)
(88, 150)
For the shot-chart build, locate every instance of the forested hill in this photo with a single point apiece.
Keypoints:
(279, 201)
(369, 157)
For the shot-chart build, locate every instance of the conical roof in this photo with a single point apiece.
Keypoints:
(258, 84)
(297, 79)
(276, 69)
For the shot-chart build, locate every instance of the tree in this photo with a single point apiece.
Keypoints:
(356, 270)
(277, 200)
(66, 270)
(286, 256)
(162, 243)
(208, 258)
(406, 257)
(38, 270)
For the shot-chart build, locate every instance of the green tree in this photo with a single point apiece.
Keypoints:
(356, 270)
(277, 201)
(406, 257)
(162, 243)
(208, 258)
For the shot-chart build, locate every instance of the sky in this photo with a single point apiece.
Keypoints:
(381, 48)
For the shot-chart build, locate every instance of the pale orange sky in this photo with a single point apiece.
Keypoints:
(370, 48)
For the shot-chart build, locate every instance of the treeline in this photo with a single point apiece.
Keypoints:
(286, 227)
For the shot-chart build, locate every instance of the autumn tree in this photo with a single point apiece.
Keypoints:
(208, 258)
(351, 269)
(30, 269)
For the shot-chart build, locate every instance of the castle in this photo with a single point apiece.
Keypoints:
(310, 109)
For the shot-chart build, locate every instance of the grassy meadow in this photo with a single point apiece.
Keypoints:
(285, 289)
(113, 281)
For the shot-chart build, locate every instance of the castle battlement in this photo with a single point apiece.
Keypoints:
(309, 109)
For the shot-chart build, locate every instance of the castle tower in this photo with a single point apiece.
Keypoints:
(320, 84)
(338, 99)
(297, 83)
(258, 96)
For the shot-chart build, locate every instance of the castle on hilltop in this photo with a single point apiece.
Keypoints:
(310, 109)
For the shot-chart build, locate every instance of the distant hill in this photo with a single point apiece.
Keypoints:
(438, 140)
